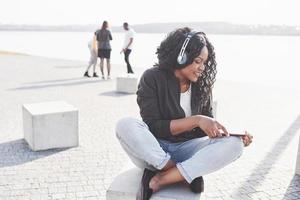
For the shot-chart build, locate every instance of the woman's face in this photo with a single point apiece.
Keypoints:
(193, 71)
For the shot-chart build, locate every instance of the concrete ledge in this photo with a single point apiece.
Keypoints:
(50, 125)
(126, 185)
(127, 84)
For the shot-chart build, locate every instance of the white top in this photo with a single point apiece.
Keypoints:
(185, 102)
(128, 34)
(90, 44)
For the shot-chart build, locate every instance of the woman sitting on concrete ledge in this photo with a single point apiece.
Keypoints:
(178, 139)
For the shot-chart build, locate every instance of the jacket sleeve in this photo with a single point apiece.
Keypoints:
(147, 100)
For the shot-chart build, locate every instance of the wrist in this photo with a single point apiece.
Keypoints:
(196, 120)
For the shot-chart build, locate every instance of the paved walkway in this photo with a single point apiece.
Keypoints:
(265, 170)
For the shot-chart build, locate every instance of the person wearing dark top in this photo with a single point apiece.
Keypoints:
(103, 37)
(178, 139)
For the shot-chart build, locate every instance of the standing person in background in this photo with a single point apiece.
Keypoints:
(103, 37)
(92, 45)
(127, 47)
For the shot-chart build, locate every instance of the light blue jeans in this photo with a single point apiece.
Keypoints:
(193, 158)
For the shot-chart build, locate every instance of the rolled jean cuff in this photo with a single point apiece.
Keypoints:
(184, 173)
(164, 162)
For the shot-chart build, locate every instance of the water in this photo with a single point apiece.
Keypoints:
(270, 60)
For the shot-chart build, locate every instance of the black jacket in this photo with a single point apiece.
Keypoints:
(158, 97)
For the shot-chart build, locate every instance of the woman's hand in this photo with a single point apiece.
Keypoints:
(211, 126)
(247, 139)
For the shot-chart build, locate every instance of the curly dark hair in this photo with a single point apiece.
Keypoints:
(169, 49)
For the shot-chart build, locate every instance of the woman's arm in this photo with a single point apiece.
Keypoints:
(94, 44)
(209, 125)
(178, 126)
(147, 100)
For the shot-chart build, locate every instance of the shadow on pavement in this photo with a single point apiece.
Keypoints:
(42, 86)
(69, 67)
(57, 80)
(293, 190)
(271, 158)
(17, 152)
(114, 94)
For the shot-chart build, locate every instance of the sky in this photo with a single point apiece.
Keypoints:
(63, 12)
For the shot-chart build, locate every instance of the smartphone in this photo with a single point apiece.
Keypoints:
(234, 134)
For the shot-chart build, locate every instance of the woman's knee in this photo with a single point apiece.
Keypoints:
(122, 126)
(236, 144)
(126, 126)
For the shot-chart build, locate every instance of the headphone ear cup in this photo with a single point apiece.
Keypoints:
(182, 59)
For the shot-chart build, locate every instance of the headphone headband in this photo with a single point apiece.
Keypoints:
(182, 57)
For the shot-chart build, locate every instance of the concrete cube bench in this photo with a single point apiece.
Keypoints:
(126, 185)
(298, 159)
(127, 84)
(50, 125)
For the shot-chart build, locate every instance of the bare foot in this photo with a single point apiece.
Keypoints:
(154, 183)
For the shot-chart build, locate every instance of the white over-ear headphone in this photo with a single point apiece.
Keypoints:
(182, 56)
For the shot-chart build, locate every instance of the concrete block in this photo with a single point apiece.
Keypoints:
(50, 125)
(126, 185)
(127, 84)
